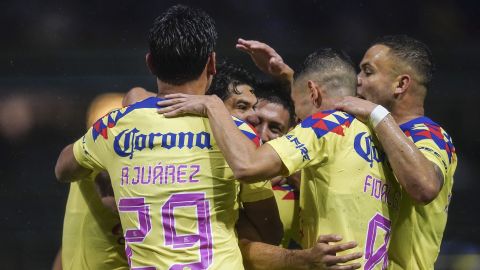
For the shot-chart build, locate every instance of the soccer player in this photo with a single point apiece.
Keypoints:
(276, 115)
(174, 190)
(395, 73)
(347, 186)
(234, 85)
(92, 236)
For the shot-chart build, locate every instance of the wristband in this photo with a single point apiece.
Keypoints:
(377, 115)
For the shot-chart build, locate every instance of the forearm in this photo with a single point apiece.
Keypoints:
(237, 149)
(413, 170)
(259, 256)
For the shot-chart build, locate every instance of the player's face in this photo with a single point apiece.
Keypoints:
(273, 120)
(242, 105)
(376, 79)
(303, 103)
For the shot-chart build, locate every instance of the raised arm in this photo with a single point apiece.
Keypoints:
(421, 178)
(266, 59)
(248, 163)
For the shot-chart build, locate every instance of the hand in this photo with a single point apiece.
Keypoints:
(360, 108)
(278, 181)
(323, 255)
(265, 58)
(180, 104)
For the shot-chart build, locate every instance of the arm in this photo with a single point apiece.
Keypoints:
(248, 163)
(67, 168)
(105, 191)
(264, 217)
(266, 59)
(420, 177)
(136, 94)
(259, 256)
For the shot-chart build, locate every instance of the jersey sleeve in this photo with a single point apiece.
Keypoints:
(89, 151)
(311, 141)
(434, 144)
(247, 130)
(256, 191)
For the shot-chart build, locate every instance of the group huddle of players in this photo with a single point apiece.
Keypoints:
(321, 168)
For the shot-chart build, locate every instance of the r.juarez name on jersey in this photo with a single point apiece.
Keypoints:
(174, 190)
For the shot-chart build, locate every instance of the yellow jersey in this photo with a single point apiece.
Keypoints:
(174, 190)
(92, 234)
(347, 187)
(287, 199)
(418, 232)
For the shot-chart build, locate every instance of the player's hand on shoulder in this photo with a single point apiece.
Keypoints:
(360, 108)
(181, 104)
(323, 254)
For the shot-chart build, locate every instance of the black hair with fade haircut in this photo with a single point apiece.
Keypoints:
(278, 93)
(413, 52)
(228, 77)
(181, 40)
(332, 68)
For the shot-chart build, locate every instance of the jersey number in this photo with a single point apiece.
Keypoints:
(172, 239)
(380, 255)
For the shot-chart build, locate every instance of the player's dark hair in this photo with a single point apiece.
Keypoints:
(278, 93)
(181, 40)
(228, 77)
(332, 68)
(413, 52)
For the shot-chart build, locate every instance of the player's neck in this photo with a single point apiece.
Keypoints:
(195, 87)
(403, 112)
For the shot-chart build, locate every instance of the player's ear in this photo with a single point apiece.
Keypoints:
(315, 95)
(402, 83)
(212, 64)
(150, 65)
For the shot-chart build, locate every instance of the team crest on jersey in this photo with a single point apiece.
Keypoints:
(366, 149)
(325, 122)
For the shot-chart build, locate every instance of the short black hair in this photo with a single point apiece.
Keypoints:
(332, 68)
(228, 77)
(181, 40)
(413, 52)
(278, 93)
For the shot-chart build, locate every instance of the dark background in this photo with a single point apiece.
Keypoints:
(55, 56)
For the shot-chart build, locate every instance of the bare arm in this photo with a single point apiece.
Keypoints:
(259, 256)
(248, 163)
(67, 168)
(420, 177)
(264, 216)
(105, 191)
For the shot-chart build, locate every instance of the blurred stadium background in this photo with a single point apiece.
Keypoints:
(56, 56)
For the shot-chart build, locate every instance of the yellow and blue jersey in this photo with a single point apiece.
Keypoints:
(287, 199)
(174, 190)
(418, 232)
(92, 234)
(347, 187)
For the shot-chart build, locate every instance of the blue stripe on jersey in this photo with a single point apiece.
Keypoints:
(99, 128)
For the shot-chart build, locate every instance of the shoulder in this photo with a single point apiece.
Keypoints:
(328, 122)
(424, 129)
(247, 130)
(111, 119)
